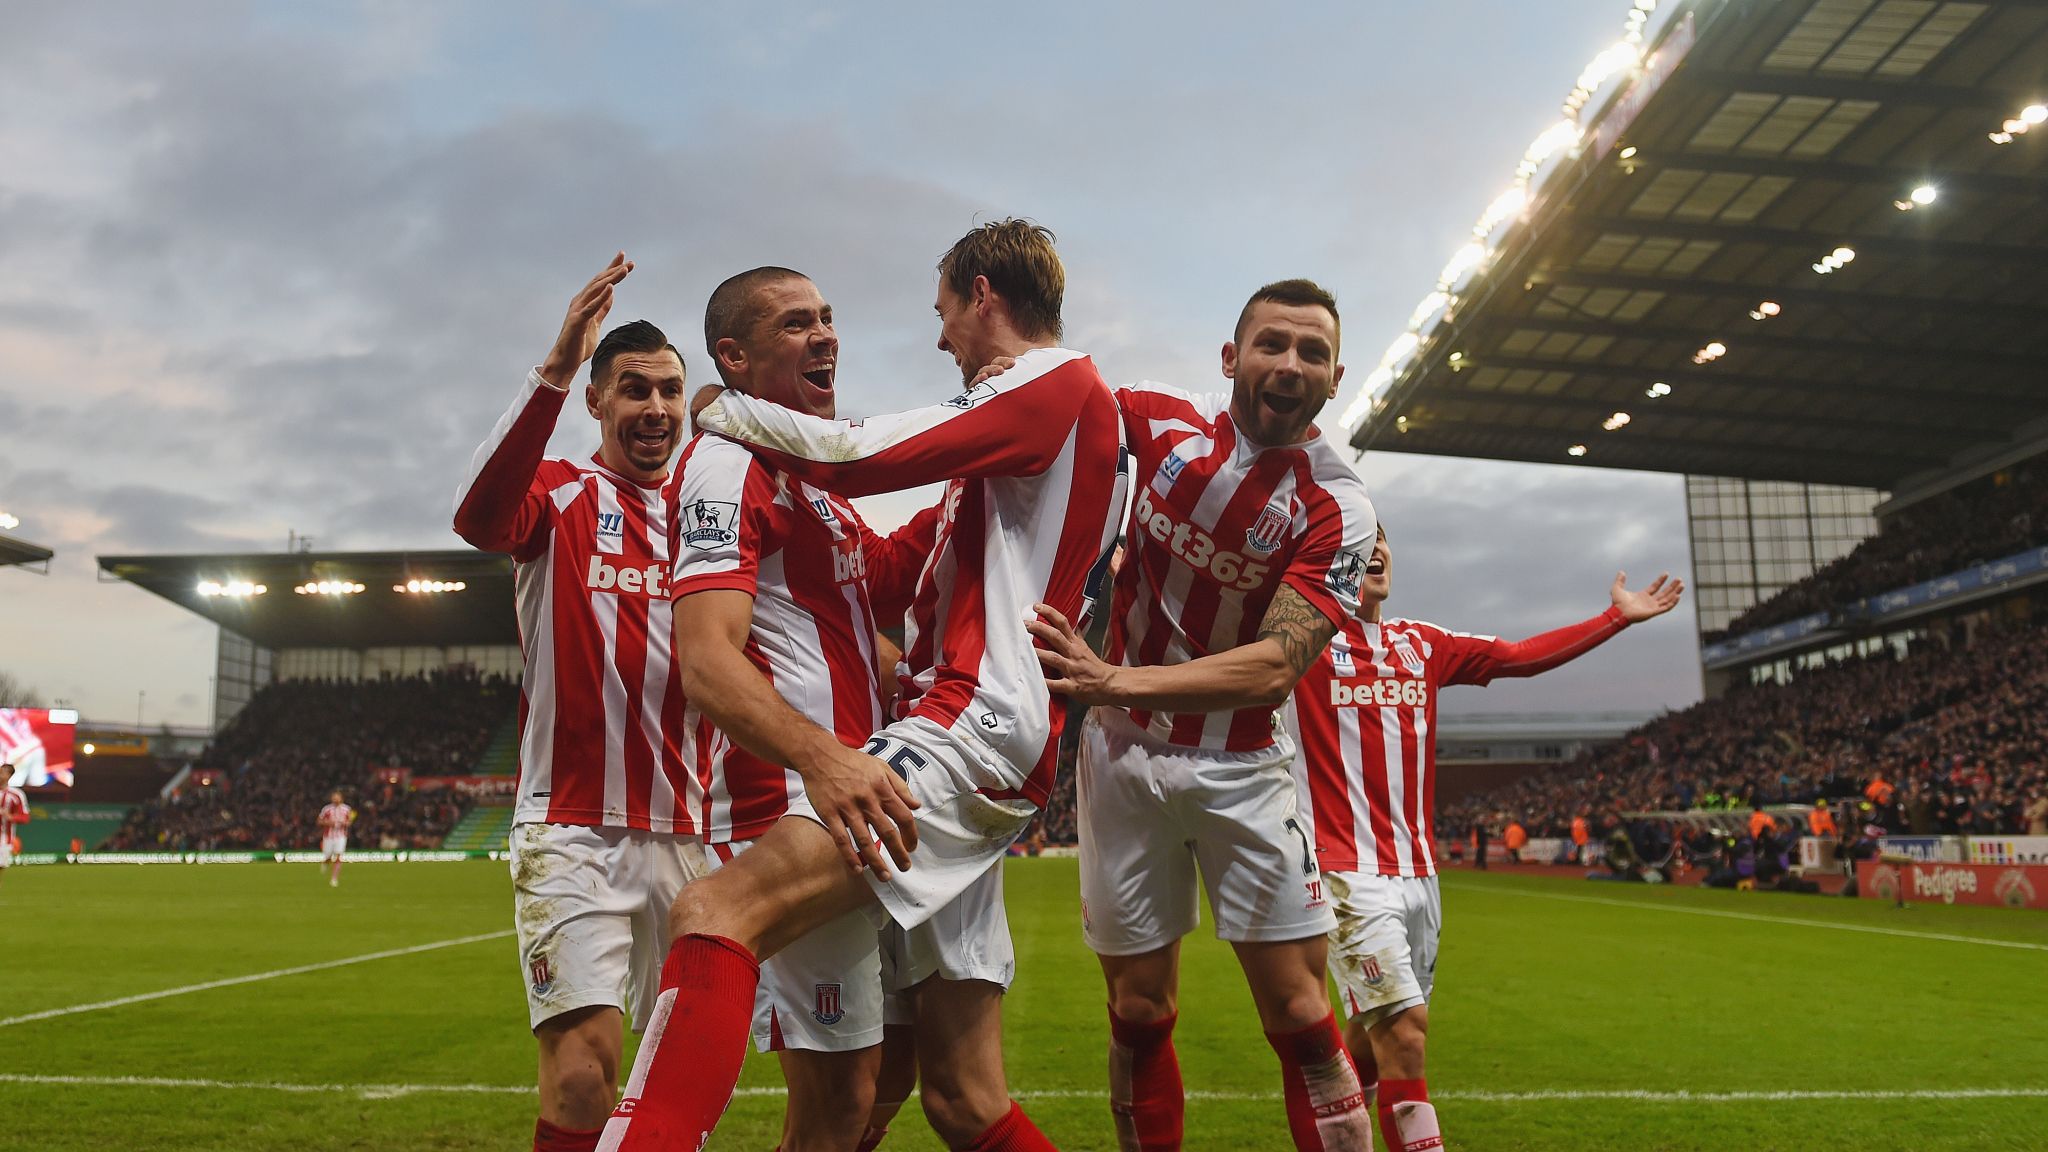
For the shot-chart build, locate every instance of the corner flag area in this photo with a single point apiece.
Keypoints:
(246, 1008)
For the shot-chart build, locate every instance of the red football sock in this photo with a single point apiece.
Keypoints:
(549, 1138)
(1145, 1095)
(1013, 1133)
(1325, 1107)
(1407, 1118)
(871, 1140)
(690, 1056)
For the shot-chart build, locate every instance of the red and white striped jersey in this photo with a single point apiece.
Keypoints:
(806, 558)
(335, 819)
(13, 809)
(1219, 524)
(1035, 488)
(601, 724)
(1364, 722)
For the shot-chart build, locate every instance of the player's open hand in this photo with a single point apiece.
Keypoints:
(580, 328)
(704, 398)
(993, 368)
(1660, 597)
(1071, 667)
(865, 806)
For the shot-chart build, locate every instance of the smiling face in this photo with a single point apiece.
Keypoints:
(1284, 370)
(790, 354)
(643, 411)
(1379, 574)
(964, 328)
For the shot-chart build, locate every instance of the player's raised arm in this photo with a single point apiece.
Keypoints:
(1483, 658)
(1012, 426)
(498, 507)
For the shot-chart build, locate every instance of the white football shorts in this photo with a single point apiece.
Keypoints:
(822, 993)
(1150, 812)
(961, 832)
(332, 846)
(6, 852)
(1383, 951)
(591, 908)
(968, 939)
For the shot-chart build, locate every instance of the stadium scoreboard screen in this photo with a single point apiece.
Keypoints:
(36, 745)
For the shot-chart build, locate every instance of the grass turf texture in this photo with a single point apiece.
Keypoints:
(1538, 994)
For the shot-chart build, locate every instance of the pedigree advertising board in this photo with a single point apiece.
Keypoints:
(2004, 885)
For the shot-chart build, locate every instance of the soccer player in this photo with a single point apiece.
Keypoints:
(772, 585)
(334, 823)
(602, 834)
(13, 813)
(1365, 717)
(1033, 499)
(1243, 556)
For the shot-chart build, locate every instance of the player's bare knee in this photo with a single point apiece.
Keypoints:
(1142, 1005)
(960, 1111)
(700, 910)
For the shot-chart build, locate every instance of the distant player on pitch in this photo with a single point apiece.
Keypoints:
(13, 813)
(602, 830)
(1365, 718)
(334, 823)
(1034, 492)
(1246, 544)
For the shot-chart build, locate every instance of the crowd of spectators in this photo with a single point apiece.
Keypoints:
(1951, 739)
(266, 775)
(1988, 519)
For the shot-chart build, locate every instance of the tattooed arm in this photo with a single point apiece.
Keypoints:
(1293, 633)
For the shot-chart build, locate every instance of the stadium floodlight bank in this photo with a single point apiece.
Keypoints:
(1731, 258)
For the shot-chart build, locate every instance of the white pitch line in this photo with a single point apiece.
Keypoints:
(1647, 906)
(1681, 1096)
(231, 981)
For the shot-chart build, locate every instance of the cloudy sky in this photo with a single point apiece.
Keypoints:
(268, 268)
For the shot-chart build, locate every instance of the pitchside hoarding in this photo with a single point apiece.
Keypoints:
(2007, 885)
(37, 743)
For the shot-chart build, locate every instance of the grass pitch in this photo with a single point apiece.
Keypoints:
(1568, 1015)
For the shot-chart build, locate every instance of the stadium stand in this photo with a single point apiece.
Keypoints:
(1977, 522)
(261, 782)
(1957, 726)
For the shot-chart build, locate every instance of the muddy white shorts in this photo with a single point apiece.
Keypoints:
(332, 846)
(591, 909)
(1150, 812)
(968, 939)
(1383, 952)
(6, 853)
(961, 831)
(822, 993)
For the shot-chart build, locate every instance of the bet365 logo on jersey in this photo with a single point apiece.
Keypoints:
(1196, 548)
(1390, 693)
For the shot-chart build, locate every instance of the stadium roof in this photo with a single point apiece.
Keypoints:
(223, 589)
(14, 551)
(1790, 241)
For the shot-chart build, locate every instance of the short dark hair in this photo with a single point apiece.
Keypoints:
(1297, 291)
(730, 313)
(1018, 258)
(637, 336)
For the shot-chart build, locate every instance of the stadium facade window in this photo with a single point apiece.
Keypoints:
(376, 663)
(240, 668)
(1752, 538)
